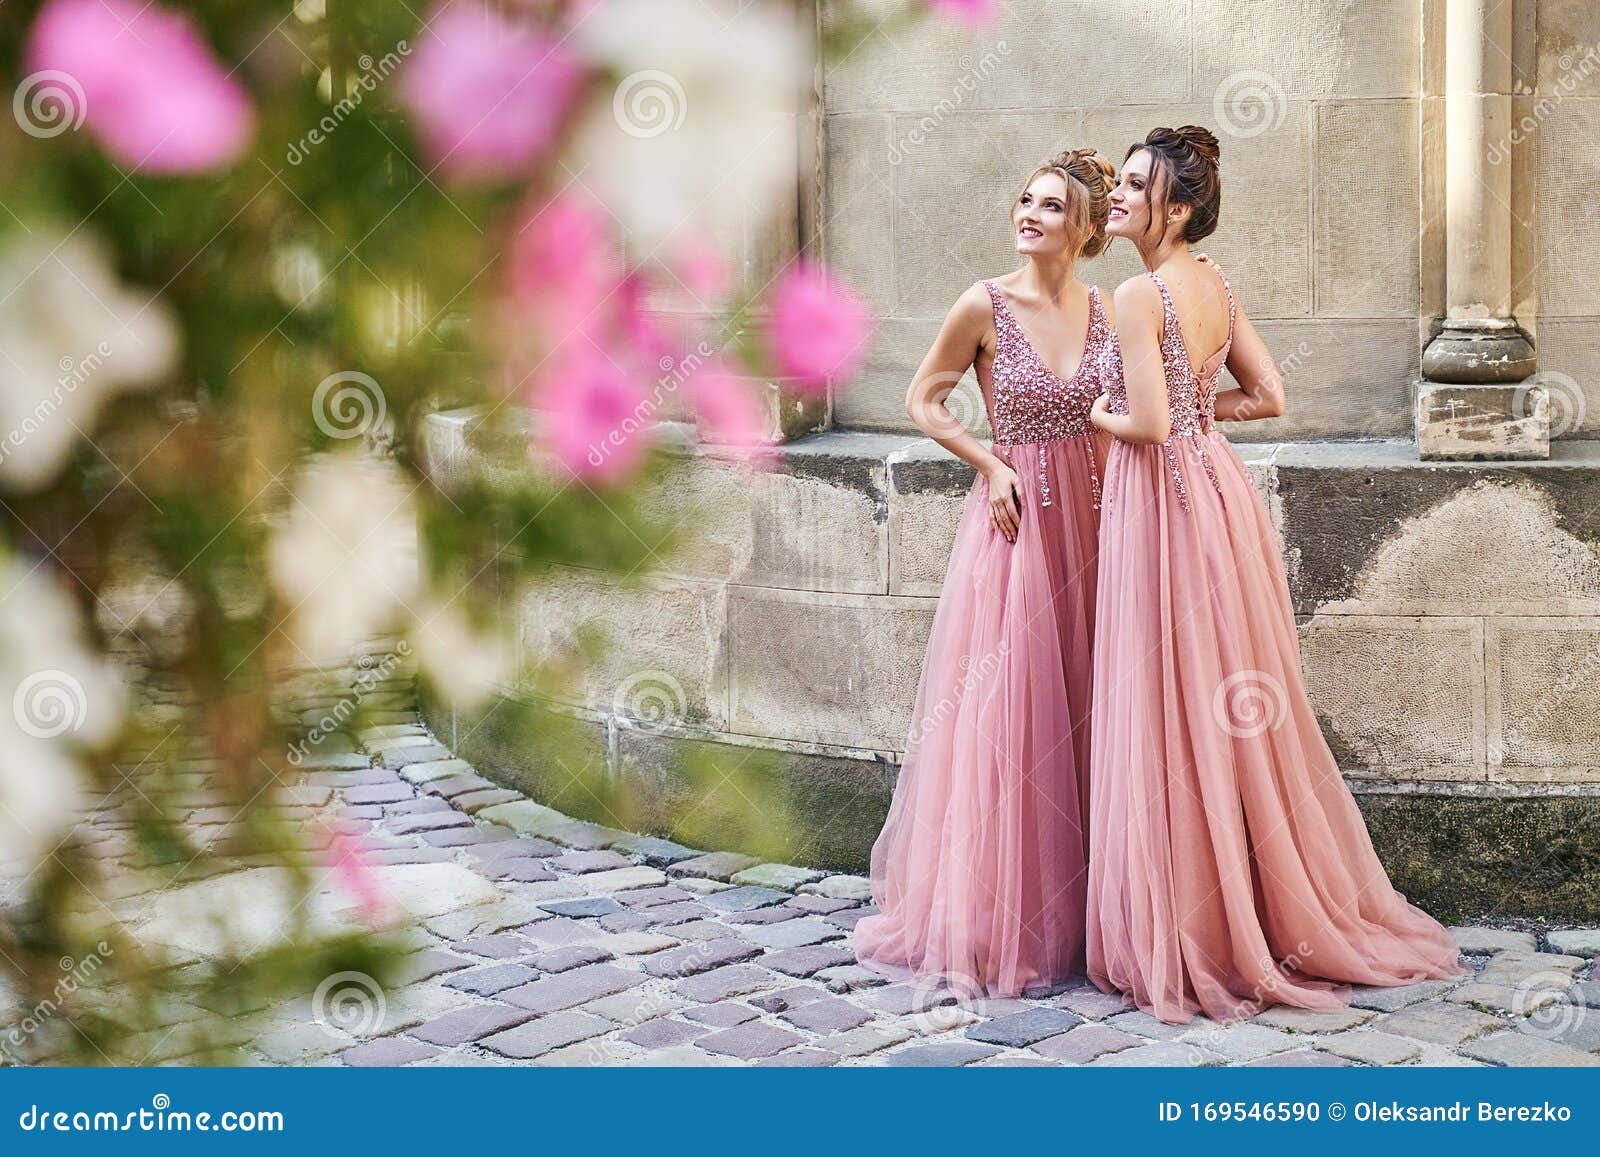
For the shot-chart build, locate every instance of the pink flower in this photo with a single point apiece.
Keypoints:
(347, 856)
(562, 267)
(728, 408)
(144, 81)
(489, 93)
(972, 13)
(593, 414)
(700, 266)
(819, 326)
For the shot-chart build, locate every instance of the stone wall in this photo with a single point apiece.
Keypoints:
(1330, 115)
(1466, 598)
(1557, 142)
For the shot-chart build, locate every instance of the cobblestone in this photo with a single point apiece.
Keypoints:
(750, 1041)
(1447, 1024)
(1080, 1045)
(783, 877)
(719, 866)
(1021, 1029)
(1575, 941)
(1372, 1047)
(569, 943)
(700, 957)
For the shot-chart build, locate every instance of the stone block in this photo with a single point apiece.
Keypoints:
(929, 488)
(1482, 421)
(1544, 713)
(1142, 57)
(942, 244)
(1021, 1029)
(876, 398)
(835, 669)
(1366, 224)
(818, 523)
(1460, 855)
(1567, 165)
(1371, 1047)
(786, 877)
(538, 1037)
(815, 807)
(917, 67)
(670, 673)
(942, 1054)
(1418, 707)
(858, 182)
(1313, 51)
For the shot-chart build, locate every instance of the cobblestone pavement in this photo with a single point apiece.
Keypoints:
(549, 941)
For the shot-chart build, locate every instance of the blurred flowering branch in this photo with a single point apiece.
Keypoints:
(244, 251)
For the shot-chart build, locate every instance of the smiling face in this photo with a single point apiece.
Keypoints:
(1130, 199)
(1040, 218)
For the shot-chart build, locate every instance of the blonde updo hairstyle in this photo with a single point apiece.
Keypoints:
(1089, 177)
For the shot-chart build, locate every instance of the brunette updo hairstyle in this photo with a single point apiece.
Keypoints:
(1183, 171)
(1089, 177)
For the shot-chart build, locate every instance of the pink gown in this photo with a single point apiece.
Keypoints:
(980, 870)
(1230, 868)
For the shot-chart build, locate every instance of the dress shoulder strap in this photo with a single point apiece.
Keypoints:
(1233, 306)
(1002, 316)
(1169, 312)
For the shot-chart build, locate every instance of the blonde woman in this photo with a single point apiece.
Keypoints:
(980, 872)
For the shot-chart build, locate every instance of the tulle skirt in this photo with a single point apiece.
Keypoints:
(980, 871)
(1230, 868)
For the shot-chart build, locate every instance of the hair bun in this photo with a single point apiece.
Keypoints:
(1098, 160)
(1202, 140)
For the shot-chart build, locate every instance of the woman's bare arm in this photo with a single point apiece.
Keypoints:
(1139, 317)
(1260, 392)
(954, 350)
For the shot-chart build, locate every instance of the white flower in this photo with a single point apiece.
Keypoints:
(71, 336)
(60, 699)
(466, 666)
(701, 122)
(346, 555)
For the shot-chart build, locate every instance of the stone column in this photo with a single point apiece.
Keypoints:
(1475, 399)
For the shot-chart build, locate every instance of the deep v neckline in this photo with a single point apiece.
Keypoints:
(1206, 370)
(1033, 351)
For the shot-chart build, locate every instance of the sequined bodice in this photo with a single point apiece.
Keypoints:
(1029, 401)
(1191, 395)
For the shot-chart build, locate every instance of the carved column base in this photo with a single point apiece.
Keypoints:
(1478, 352)
(1478, 397)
